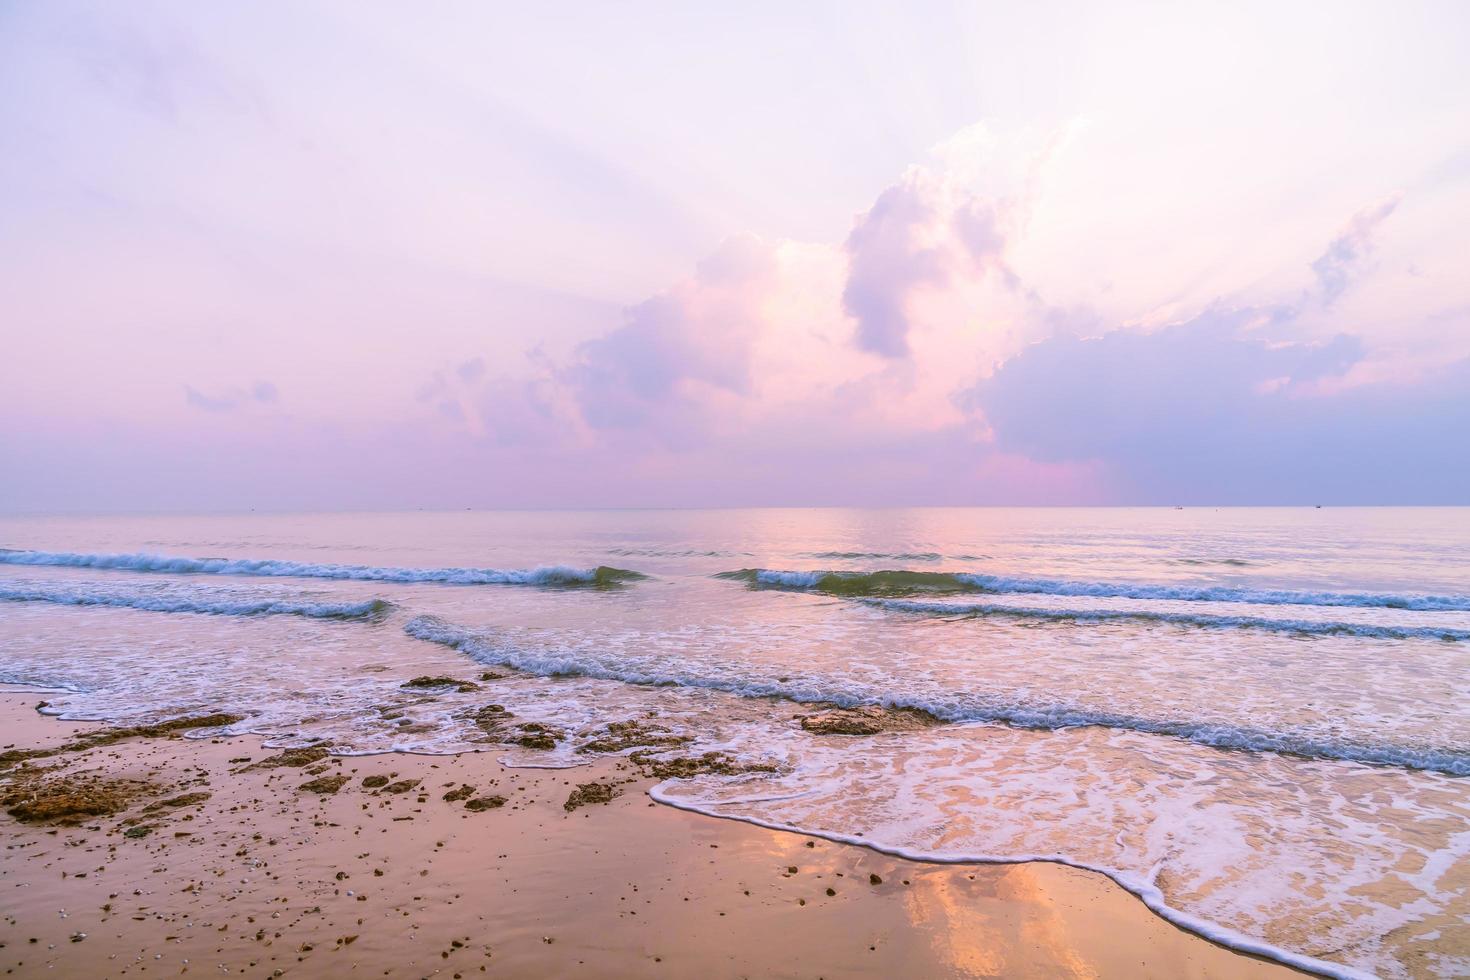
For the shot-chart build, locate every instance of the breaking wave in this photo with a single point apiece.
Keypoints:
(955, 707)
(1308, 627)
(908, 582)
(368, 609)
(551, 575)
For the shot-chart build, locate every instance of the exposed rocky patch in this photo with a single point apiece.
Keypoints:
(867, 719)
(402, 786)
(490, 717)
(107, 736)
(496, 722)
(463, 793)
(326, 785)
(426, 682)
(534, 735)
(683, 767)
(295, 758)
(374, 782)
(619, 736)
(485, 803)
(589, 793)
(175, 802)
(68, 799)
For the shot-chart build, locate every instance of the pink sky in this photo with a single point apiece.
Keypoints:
(347, 255)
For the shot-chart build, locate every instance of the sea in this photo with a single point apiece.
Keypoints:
(1256, 720)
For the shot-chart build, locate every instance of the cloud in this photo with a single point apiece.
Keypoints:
(1227, 408)
(472, 370)
(919, 233)
(1345, 255)
(889, 260)
(261, 392)
(690, 341)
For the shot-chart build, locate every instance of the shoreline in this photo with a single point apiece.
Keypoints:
(246, 871)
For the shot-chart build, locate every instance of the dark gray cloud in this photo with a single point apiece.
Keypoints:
(1210, 411)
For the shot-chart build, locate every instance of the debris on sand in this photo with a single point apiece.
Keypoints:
(173, 803)
(868, 719)
(107, 736)
(426, 682)
(485, 803)
(296, 758)
(589, 793)
(464, 792)
(620, 735)
(683, 767)
(68, 799)
(326, 785)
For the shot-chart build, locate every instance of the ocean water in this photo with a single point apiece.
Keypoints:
(1256, 720)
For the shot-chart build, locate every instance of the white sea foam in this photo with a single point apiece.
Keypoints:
(205, 605)
(545, 575)
(1139, 886)
(948, 706)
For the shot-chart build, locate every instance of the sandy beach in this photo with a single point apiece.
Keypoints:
(216, 864)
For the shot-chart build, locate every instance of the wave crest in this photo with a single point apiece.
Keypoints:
(548, 575)
(1307, 627)
(899, 582)
(369, 609)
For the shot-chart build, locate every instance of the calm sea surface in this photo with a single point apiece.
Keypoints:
(1258, 720)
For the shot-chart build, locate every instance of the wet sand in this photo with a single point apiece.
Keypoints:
(264, 878)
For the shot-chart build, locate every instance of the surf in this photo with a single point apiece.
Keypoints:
(546, 575)
(370, 609)
(901, 582)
